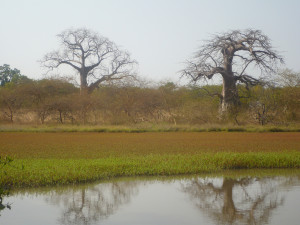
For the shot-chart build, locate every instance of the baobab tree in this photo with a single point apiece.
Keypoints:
(233, 55)
(244, 200)
(92, 205)
(95, 58)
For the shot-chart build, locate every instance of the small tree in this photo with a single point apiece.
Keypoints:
(47, 94)
(95, 58)
(264, 104)
(230, 55)
(8, 75)
(11, 101)
(289, 100)
(287, 78)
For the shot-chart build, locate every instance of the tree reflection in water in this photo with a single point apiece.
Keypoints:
(237, 201)
(3, 206)
(92, 204)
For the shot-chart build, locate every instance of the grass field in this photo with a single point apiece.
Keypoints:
(66, 157)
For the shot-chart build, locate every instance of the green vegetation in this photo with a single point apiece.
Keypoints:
(4, 161)
(10, 76)
(62, 158)
(41, 172)
(233, 174)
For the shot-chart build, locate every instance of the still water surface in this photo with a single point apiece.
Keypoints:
(184, 200)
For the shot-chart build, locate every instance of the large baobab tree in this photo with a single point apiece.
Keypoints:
(233, 55)
(95, 58)
(92, 205)
(244, 200)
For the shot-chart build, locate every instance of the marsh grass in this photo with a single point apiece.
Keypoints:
(43, 172)
(69, 158)
(232, 174)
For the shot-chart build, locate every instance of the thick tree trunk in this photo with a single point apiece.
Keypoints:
(228, 207)
(230, 97)
(84, 87)
(83, 83)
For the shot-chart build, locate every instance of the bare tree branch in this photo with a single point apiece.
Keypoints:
(230, 55)
(94, 57)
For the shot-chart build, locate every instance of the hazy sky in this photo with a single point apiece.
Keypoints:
(159, 34)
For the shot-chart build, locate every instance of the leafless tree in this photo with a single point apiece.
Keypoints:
(95, 58)
(232, 55)
(245, 200)
(287, 78)
(11, 101)
(93, 204)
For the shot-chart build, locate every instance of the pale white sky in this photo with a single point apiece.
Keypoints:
(159, 34)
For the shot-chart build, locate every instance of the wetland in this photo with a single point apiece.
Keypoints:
(239, 197)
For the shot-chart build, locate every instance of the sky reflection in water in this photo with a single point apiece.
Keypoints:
(189, 200)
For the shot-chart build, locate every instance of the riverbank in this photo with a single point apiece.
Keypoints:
(66, 158)
(143, 128)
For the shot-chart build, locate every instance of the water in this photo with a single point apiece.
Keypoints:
(184, 200)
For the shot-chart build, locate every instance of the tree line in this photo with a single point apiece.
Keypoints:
(109, 91)
(58, 101)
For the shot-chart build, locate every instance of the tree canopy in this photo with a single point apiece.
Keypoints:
(95, 58)
(231, 54)
(10, 75)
